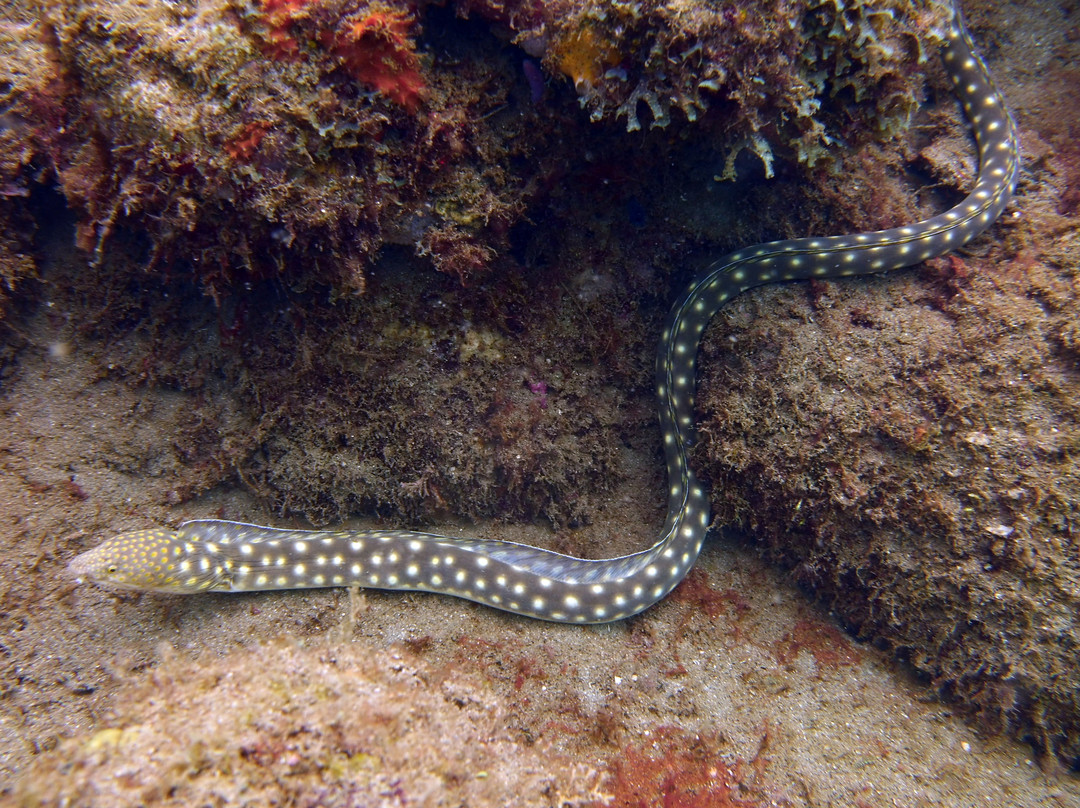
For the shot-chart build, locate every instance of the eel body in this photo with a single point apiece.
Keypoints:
(216, 555)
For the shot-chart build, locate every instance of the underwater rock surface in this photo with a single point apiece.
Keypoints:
(275, 727)
(249, 138)
(259, 191)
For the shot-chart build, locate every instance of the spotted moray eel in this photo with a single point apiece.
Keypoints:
(216, 555)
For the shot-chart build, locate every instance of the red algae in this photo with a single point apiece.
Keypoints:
(828, 646)
(372, 40)
(377, 51)
(242, 147)
(677, 770)
(696, 591)
(280, 18)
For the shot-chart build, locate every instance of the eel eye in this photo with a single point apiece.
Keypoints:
(111, 569)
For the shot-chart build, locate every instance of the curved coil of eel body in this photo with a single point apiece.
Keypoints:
(215, 555)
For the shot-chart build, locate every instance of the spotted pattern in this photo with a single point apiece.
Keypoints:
(215, 555)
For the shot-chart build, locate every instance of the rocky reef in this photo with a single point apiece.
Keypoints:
(243, 138)
(267, 151)
(228, 733)
(258, 191)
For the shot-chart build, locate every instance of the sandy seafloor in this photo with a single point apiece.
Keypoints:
(744, 693)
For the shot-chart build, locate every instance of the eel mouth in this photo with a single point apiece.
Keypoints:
(84, 567)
